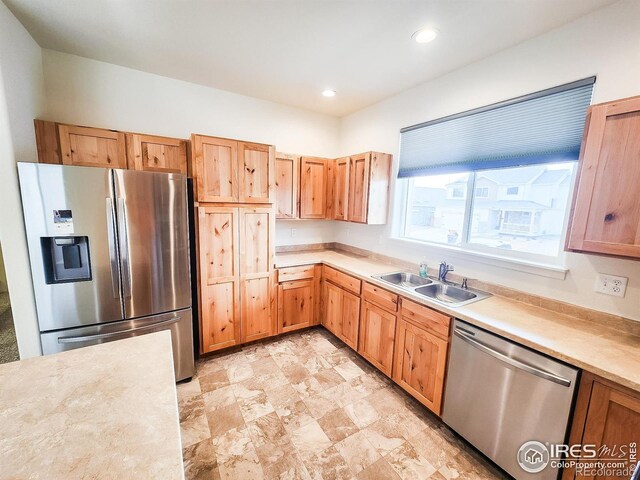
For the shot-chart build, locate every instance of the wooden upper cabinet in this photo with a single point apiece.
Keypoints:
(215, 162)
(313, 187)
(47, 142)
(257, 249)
(419, 364)
(606, 212)
(287, 185)
(341, 189)
(256, 172)
(92, 147)
(218, 251)
(156, 154)
(359, 187)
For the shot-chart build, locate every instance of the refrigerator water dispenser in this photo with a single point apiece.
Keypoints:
(66, 259)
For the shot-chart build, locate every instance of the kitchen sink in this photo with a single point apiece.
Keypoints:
(440, 292)
(448, 294)
(404, 279)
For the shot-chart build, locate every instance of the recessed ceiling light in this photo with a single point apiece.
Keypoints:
(425, 35)
(328, 93)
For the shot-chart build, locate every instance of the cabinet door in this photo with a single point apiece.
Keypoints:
(313, 187)
(219, 281)
(256, 172)
(332, 308)
(156, 154)
(256, 273)
(377, 335)
(350, 319)
(359, 187)
(341, 189)
(287, 185)
(215, 169)
(419, 364)
(92, 147)
(613, 418)
(606, 214)
(295, 305)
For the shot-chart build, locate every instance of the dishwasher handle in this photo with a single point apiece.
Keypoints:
(511, 361)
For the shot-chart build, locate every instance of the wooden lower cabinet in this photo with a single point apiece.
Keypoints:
(606, 414)
(237, 289)
(377, 336)
(295, 305)
(342, 313)
(419, 363)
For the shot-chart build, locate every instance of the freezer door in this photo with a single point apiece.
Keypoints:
(180, 324)
(154, 241)
(68, 215)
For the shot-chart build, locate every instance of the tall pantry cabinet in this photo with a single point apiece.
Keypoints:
(234, 193)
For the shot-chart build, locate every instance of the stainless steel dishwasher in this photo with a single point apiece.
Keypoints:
(500, 395)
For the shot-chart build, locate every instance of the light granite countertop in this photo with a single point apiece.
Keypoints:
(105, 411)
(607, 352)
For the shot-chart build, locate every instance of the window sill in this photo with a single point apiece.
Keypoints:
(509, 263)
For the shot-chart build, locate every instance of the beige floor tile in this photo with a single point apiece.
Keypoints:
(281, 396)
(380, 470)
(310, 439)
(295, 373)
(264, 366)
(194, 430)
(294, 415)
(244, 467)
(349, 370)
(337, 356)
(267, 429)
(218, 398)
(362, 413)
(224, 419)
(248, 388)
(367, 384)
(387, 401)
(233, 443)
(308, 387)
(290, 467)
(384, 435)
(342, 394)
(315, 363)
(213, 381)
(328, 378)
(436, 448)
(319, 405)
(357, 452)
(255, 407)
(188, 389)
(190, 407)
(285, 359)
(200, 461)
(240, 372)
(328, 464)
(409, 464)
(337, 425)
(254, 353)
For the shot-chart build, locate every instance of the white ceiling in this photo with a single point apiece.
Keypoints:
(288, 51)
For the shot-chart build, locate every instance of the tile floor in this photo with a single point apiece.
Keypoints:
(305, 406)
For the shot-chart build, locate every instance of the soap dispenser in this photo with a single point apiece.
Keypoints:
(424, 271)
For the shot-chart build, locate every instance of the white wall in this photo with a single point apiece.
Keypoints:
(88, 92)
(605, 43)
(21, 100)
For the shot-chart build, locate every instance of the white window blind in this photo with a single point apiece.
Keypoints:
(542, 127)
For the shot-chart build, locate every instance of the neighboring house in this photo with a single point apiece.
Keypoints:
(521, 202)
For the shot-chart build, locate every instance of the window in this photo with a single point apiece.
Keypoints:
(529, 225)
(513, 190)
(482, 192)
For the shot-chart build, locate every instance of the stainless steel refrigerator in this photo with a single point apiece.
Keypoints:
(109, 253)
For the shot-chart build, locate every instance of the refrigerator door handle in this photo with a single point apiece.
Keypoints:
(124, 248)
(98, 336)
(113, 256)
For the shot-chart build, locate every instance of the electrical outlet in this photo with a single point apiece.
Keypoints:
(611, 285)
(293, 232)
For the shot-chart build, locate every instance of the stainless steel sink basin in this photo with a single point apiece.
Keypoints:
(404, 279)
(432, 289)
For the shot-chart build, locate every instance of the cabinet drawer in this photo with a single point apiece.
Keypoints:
(288, 274)
(420, 315)
(380, 297)
(342, 279)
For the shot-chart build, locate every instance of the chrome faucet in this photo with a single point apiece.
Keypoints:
(443, 270)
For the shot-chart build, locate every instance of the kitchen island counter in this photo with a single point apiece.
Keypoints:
(105, 411)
